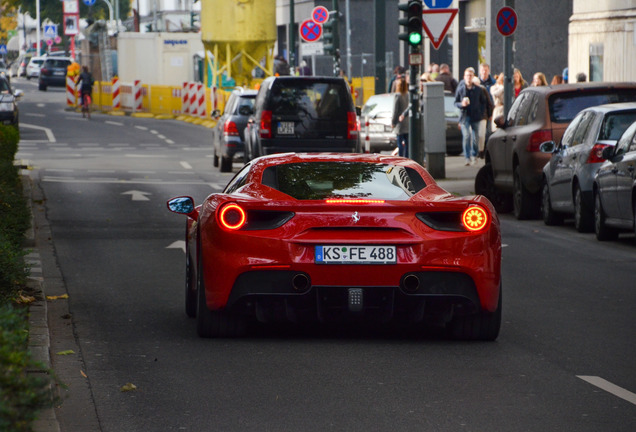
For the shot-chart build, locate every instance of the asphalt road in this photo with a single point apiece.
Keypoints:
(564, 360)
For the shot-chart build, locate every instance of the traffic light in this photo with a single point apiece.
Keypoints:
(412, 21)
(329, 36)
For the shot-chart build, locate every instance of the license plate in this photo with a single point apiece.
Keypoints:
(347, 254)
(59, 73)
(376, 128)
(285, 128)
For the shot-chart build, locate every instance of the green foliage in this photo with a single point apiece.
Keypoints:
(22, 394)
(9, 138)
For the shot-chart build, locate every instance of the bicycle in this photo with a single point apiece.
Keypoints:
(86, 105)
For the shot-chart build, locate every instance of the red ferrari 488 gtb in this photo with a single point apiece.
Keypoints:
(328, 237)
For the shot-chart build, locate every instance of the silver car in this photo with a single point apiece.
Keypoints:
(375, 123)
(569, 174)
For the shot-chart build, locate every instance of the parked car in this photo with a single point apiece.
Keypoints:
(337, 237)
(513, 174)
(33, 68)
(569, 175)
(4, 70)
(53, 72)
(615, 189)
(302, 114)
(9, 112)
(375, 123)
(228, 136)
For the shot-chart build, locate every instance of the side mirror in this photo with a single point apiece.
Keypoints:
(607, 152)
(547, 147)
(183, 205)
(500, 121)
(18, 94)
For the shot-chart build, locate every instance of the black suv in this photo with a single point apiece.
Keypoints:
(53, 72)
(302, 114)
(228, 136)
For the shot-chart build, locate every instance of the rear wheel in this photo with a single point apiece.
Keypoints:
(525, 204)
(41, 87)
(602, 231)
(482, 326)
(226, 164)
(485, 185)
(550, 217)
(213, 324)
(583, 216)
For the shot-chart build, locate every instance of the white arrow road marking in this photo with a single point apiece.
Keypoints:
(179, 244)
(610, 388)
(47, 131)
(138, 195)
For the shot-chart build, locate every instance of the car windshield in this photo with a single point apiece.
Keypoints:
(378, 106)
(565, 106)
(57, 63)
(615, 124)
(314, 99)
(4, 86)
(321, 180)
(450, 109)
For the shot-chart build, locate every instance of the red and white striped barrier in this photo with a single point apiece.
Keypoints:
(116, 93)
(367, 138)
(215, 98)
(201, 100)
(71, 96)
(185, 99)
(193, 105)
(137, 96)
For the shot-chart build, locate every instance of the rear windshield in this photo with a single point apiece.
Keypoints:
(379, 106)
(565, 106)
(57, 63)
(325, 100)
(245, 105)
(321, 180)
(615, 124)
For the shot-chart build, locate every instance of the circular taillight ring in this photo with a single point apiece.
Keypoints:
(232, 217)
(475, 218)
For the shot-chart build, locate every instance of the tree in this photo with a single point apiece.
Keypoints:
(8, 21)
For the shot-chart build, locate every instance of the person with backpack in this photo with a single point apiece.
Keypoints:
(85, 84)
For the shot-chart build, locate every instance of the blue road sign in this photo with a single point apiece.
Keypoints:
(50, 30)
(310, 31)
(506, 21)
(89, 2)
(438, 4)
(3, 49)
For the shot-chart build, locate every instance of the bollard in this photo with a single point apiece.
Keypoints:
(137, 96)
(185, 100)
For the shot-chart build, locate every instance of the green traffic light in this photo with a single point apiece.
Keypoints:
(415, 38)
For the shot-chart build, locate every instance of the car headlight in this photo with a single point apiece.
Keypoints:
(6, 106)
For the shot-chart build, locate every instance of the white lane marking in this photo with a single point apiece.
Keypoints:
(142, 172)
(113, 123)
(186, 165)
(142, 127)
(169, 141)
(99, 171)
(182, 172)
(35, 115)
(59, 170)
(161, 136)
(145, 156)
(179, 244)
(40, 105)
(152, 131)
(610, 388)
(138, 195)
(47, 131)
(56, 179)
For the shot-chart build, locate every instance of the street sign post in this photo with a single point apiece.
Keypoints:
(436, 23)
(310, 31)
(320, 15)
(50, 31)
(506, 21)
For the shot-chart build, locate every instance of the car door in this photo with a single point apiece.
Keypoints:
(569, 154)
(608, 174)
(625, 181)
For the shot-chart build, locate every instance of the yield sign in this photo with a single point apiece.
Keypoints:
(310, 31)
(436, 23)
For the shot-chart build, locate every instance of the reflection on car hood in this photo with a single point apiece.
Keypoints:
(6, 98)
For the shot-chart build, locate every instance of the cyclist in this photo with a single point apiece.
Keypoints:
(86, 89)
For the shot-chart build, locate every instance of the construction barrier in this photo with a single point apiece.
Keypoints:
(137, 96)
(71, 95)
(116, 94)
(185, 99)
(201, 100)
(193, 106)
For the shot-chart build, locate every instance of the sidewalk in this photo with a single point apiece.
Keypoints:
(47, 280)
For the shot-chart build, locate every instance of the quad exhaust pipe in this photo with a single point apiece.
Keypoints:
(300, 282)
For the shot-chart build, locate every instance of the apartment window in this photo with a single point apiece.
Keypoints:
(596, 62)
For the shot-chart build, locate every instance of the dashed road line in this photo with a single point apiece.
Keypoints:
(610, 388)
(185, 165)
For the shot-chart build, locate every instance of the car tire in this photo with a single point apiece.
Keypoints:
(525, 205)
(485, 185)
(602, 231)
(41, 87)
(482, 326)
(215, 159)
(550, 217)
(190, 290)
(215, 324)
(226, 164)
(583, 216)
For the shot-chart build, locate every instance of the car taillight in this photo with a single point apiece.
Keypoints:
(265, 130)
(596, 154)
(538, 137)
(352, 125)
(230, 129)
(475, 218)
(44, 71)
(232, 216)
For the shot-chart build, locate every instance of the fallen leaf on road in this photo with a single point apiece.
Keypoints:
(60, 297)
(67, 352)
(128, 387)
(25, 299)
(83, 374)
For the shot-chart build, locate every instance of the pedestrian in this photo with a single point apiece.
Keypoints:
(556, 80)
(581, 77)
(400, 120)
(538, 79)
(450, 83)
(397, 72)
(487, 81)
(304, 69)
(85, 84)
(565, 75)
(497, 92)
(472, 102)
(281, 67)
(485, 78)
(434, 70)
(486, 117)
(518, 82)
